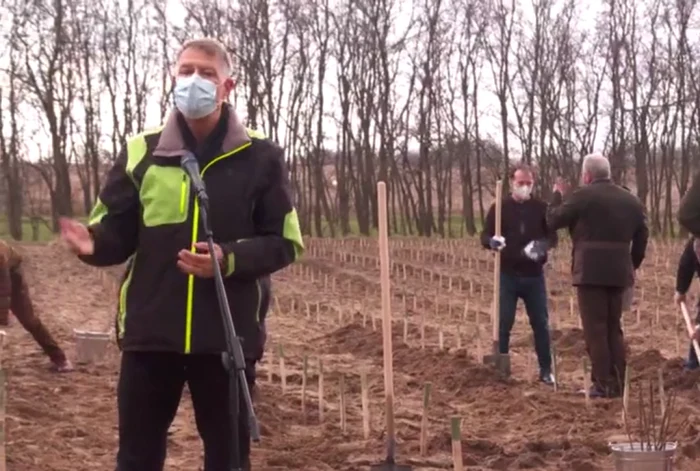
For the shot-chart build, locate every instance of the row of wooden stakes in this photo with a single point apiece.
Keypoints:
(455, 421)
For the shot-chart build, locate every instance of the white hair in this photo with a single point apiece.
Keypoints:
(596, 165)
(211, 47)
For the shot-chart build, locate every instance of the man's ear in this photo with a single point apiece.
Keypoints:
(229, 85)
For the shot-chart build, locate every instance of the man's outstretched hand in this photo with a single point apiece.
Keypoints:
(560, 186)
(76, 236)
(199, 263)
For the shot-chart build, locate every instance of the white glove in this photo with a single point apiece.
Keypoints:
(529, 251)
(497, 243)
(536, 250)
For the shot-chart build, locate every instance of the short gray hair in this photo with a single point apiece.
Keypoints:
(213, 48)
(596, 165)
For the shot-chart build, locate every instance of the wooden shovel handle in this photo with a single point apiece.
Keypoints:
(690, 328)
(386, 318)
(497, 263)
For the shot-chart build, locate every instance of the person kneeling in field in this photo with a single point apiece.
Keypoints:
(523, 245)
(688, 267)
(14, 296)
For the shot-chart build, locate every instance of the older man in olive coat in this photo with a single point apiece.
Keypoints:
(609, 233)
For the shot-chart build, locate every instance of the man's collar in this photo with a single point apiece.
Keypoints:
(172, 143)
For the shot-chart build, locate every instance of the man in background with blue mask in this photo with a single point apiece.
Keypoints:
(523, 244)
(169, 328)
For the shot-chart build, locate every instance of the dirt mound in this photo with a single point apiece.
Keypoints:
(677, 377)
(453, 371)
(646, 364)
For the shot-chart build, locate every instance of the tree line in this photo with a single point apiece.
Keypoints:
(434, 97)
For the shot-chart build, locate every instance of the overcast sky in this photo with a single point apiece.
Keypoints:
(489, 121)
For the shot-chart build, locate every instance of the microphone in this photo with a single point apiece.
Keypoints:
(189, 164)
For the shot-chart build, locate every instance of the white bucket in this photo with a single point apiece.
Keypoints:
(91, 347)
(633, 457)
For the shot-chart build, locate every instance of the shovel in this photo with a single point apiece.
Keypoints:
(500, 361)
(691, 329)
(389, 463)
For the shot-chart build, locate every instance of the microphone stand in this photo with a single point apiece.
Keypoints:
(232, 358)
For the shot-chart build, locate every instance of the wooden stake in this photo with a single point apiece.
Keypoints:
(343, 418)
(555, 369)
(321, 407)
(424, 420)
(304, 379)
(626, 394)
(662, 393)
(387, 336)
(405, 327)
(364, 385)
(283, 371)
(586, 383)
(270, 367)
(457, 444)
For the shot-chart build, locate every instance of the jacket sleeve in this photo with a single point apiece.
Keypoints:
(278, 241)
(689, 210)
(639, 242)
(5, 287)
(489, 227)
(552, 236)
(563, 212)
(114, 219)
(686, 268)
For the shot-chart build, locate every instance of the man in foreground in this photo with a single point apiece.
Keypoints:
(689, 208)
(14, 295)
(603, 219)
(688, 268)
(523, 243)
(169, 325)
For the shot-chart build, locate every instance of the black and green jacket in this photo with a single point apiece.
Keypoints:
(148, 210)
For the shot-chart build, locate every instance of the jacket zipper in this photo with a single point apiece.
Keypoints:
(195, 232)
(183, 194)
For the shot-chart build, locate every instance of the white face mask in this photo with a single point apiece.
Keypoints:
(195, 96)
(522, 192)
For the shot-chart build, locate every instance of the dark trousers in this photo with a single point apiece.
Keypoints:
(692, 362)
(601, 313)
(148, 394)
(533, 292)
(23, 309)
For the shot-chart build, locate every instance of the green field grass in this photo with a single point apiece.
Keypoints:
(41, 234)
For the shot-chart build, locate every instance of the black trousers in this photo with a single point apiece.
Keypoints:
(148, 394)
(601, 314)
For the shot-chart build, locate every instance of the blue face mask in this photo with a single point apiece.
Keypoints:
(194, 96)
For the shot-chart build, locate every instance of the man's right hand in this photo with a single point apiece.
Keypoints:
(497, 243)
(560, 186)
(678, 298)
(77, 237)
